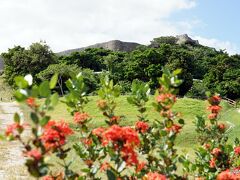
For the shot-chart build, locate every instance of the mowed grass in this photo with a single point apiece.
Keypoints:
(188, 108)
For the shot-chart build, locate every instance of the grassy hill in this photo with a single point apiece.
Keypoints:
(189, 109)
(5, 91)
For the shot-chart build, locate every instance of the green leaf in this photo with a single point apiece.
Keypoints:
(44, 120)
(34, 117)
(21, 82)
(54, 99)
(16, 118)
(44, 89)
(177, 71)
(111, 175)
(19, 96)
(53, 81)
(181, 121)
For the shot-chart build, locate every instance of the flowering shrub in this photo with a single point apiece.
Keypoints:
(145, 150)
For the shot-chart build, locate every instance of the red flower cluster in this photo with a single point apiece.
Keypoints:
(80, 118)
(215, 109)
(214, 100)
(141, 126)
(102, 104)
(123, 139)
(221, 127)
(35, 154)
(31, 102)
(216, 151)
(212, 163)
(54, 134)
(115, 119)
(155, 176)
(166, 100)
(14, 129)
(175, 128)
(98, 132)
(233, 174)
(237, 150)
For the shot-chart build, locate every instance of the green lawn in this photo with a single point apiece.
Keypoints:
(189, 108)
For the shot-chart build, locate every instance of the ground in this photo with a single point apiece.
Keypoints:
(11, 159)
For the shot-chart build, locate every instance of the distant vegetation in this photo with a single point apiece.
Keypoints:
(216, 70)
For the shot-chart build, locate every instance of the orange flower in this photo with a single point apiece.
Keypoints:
(215, 109)
(221, 127)
(212, 163)
(212, 116)
(31, 102)
(80, 117)
(142, 126)
(35, 154)
(216, 151)
(115, 119)
(54, 134)
(87, 142)
(14, 129)
(102, 104)
(207, 146)
(98, 131)
(237, 150)
(104, 166)
(155, 176)
(175, 128)
(140, 166)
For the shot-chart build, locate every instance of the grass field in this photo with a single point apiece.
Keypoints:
(5, 91)
(189, 109)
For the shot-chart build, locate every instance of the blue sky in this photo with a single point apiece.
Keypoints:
(66, 24)
(218, 19)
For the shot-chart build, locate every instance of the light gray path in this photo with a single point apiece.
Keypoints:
(11, 159)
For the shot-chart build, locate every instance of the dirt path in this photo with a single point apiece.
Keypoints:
(11, 159)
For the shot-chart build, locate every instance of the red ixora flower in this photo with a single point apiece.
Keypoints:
(233, 174)
(212, 163)
(216, 151)
(105, 166)
(155, 176)
(34, 153)
(54, 134)
(14, 129)
(214, 100)
(237, 150)
(124, 139)
(215, 109)
(115, 119)
(31, 102)
(80, 118)
(164, 98)
(212, 116)
(142, 126)
(221, 127)
(175, 128)
(98, 131)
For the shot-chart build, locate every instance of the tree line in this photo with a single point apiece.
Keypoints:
(215, 70)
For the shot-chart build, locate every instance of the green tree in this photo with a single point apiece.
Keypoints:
(21, 61)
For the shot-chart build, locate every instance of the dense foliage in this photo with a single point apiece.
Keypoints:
(218, 70)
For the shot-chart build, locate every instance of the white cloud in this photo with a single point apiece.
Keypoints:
(68, 24)
(218, 44)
